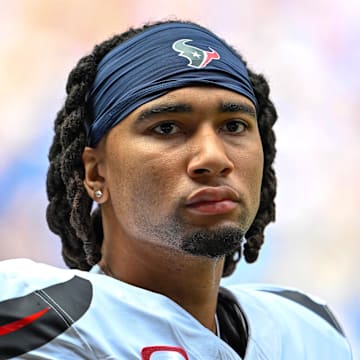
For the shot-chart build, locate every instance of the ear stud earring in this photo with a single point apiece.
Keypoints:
(98, 194)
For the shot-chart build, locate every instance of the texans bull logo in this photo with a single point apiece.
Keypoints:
(197, 57)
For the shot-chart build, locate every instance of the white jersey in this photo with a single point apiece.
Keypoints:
(50, 313)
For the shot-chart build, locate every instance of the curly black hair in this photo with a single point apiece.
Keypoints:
(69, 212)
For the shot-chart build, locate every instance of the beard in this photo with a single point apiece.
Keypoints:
(213, 243)
(178, 235)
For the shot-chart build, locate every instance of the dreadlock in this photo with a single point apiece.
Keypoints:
(266, 119)
(69, 212)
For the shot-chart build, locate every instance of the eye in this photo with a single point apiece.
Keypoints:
(234, 126)
(166, 128)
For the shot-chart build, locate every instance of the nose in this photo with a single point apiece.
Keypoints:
(208, 156)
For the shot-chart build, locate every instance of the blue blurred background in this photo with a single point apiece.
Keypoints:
(310, 53)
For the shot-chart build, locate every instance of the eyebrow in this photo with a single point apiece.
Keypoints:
(238, 108)
(171, 108)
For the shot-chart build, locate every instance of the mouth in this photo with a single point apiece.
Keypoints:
(213, 201)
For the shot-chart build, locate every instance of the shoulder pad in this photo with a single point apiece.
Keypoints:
(320, 309)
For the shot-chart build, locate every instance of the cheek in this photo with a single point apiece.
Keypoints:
(257, 174)
(142, 182)
(250, 171)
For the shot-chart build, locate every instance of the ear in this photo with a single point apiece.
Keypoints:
(94, 181)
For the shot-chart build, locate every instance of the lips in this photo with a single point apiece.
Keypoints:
(213, 200)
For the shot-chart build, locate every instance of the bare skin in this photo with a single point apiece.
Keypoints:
(188, 161)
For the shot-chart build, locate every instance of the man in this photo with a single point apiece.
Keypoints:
(171, 135)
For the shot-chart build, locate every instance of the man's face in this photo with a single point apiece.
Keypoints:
(184, 172)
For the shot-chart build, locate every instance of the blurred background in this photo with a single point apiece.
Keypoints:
(310, 53)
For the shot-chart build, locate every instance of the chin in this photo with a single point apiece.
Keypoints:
(213, 243)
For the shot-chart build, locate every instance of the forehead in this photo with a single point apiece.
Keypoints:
(198, 98)
(190, 91)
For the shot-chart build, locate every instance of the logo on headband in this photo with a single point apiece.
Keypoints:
(198, 58)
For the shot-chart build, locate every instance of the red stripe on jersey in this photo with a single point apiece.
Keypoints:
(19, 324)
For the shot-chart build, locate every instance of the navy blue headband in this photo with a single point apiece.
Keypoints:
(160, 59)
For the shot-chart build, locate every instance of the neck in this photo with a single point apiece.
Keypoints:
(190, 281)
